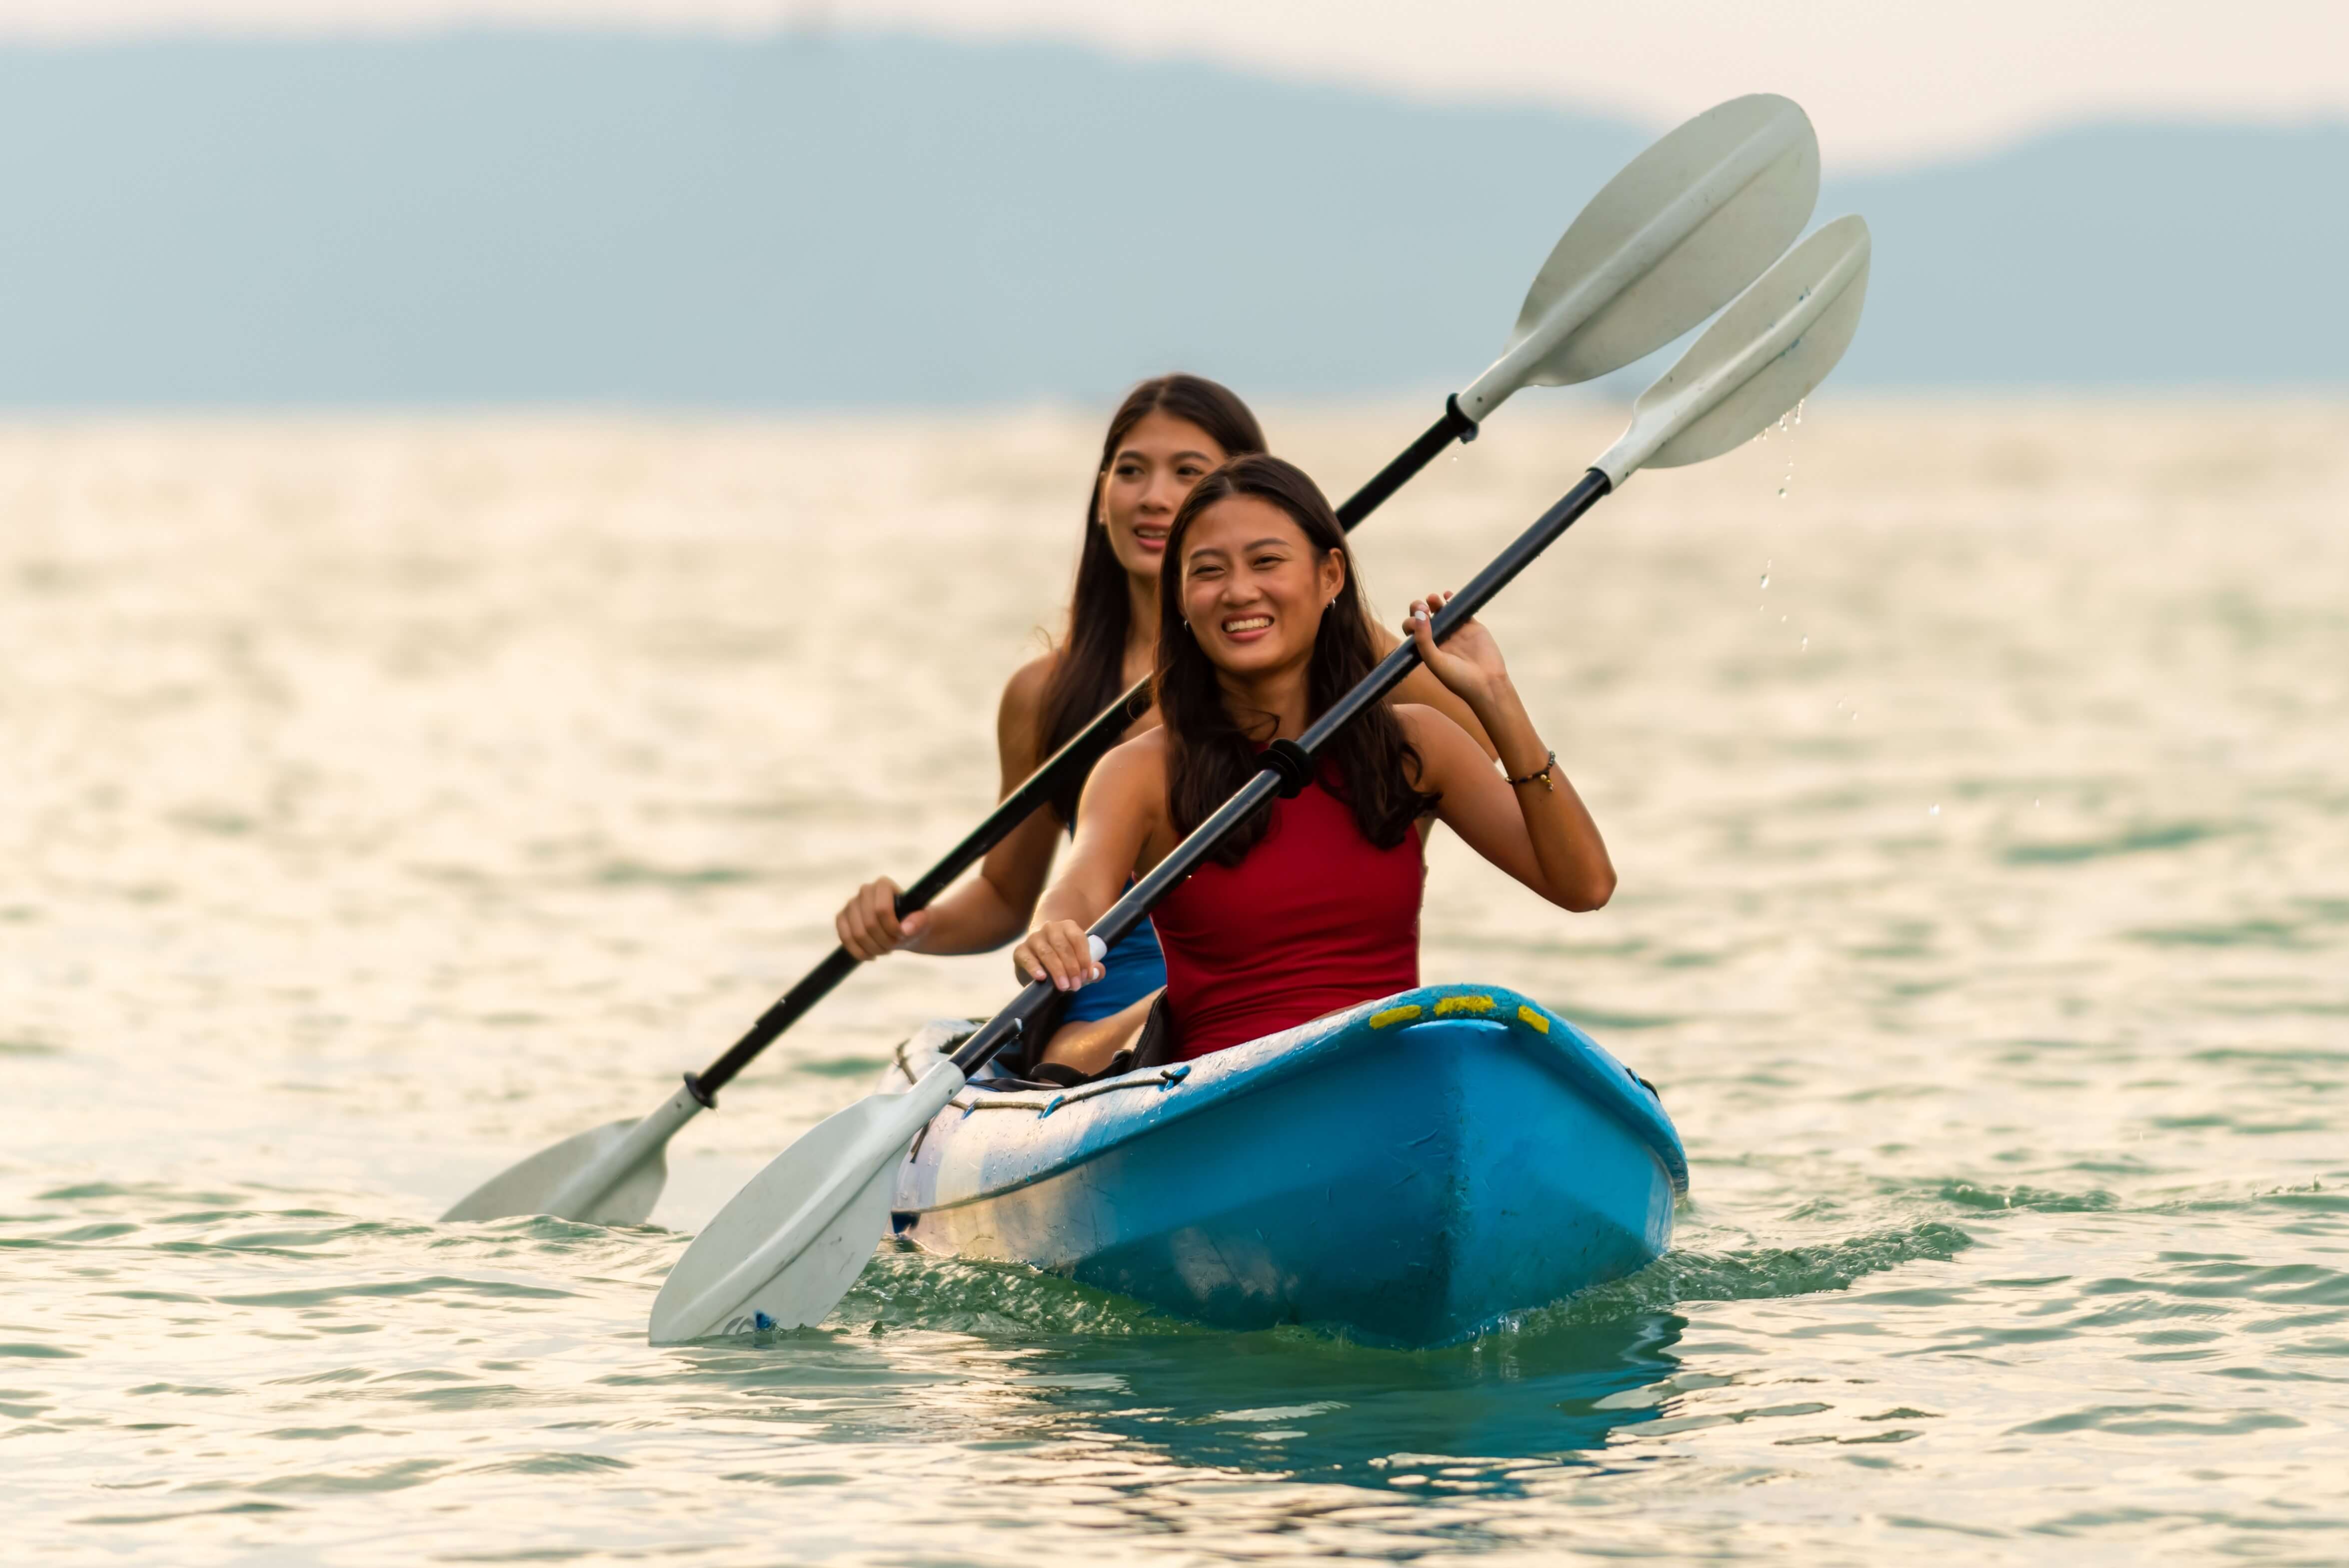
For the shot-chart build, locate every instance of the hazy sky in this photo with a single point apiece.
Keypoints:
(1888, 81)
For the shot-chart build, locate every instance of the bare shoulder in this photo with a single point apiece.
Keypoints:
(1423, 723)
(1127, 791)
(1137, 764)
(1023, 694)
(1437, 736)
(1020, 717)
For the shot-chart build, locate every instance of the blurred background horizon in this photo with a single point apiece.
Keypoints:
(437, 205)
(510, 510)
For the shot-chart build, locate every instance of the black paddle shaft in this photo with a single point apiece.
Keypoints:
(1073, 760)
(1288, 766)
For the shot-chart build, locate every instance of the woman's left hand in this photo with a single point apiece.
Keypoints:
(1468, 662)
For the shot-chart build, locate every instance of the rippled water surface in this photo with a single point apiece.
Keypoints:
(380, 802)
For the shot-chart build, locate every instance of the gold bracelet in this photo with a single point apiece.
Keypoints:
(1543, 773)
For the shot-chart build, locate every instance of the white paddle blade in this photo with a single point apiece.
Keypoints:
(786, 1248)
(529, 1188)
(1685, 225)
(1766, 354)
(610, 1175)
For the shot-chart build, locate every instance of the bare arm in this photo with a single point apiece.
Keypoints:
(984, 912)
(1421, 687)
(1121, 805)
(1541, 835)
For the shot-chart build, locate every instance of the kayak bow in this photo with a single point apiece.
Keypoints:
(1407, 1172)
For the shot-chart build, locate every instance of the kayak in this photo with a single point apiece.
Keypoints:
(1408, 1172)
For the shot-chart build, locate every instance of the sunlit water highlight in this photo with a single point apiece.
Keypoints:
(380, 802)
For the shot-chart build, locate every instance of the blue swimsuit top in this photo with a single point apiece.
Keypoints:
(1133, 970)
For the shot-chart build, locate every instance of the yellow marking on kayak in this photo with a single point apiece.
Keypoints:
(1527, 1015)
(1464, 1004)
(1402, 1014)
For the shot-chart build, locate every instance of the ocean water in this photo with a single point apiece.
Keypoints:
(382, 800)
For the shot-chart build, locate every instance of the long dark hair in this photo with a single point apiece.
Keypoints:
(1090, 672)
(1368, 764)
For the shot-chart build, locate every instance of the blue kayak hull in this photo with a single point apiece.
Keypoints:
(1408, 1172)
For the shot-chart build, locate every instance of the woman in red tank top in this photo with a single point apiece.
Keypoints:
(1313, 905)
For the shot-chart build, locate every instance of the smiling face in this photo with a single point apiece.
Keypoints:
(1151, 470)
(1254, 587)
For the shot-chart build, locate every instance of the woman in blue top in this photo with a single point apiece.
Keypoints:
(1169, 433)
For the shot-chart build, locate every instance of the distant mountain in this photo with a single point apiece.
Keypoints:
(864, 220)
(2113, 256)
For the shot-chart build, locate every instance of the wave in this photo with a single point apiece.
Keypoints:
(1750, 1274)
(906, 1289)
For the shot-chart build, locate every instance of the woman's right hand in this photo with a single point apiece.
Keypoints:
(868, 923)
(1058, 951)
(1468, 662)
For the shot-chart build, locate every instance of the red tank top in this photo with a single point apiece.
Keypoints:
(1314, 919)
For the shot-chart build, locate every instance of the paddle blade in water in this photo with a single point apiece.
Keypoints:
(528, 1188)
(1766, 354)
(783, 1252)
(609, 1175)
(1684, 226)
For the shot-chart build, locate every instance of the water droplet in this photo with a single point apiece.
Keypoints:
(1781, 620)
(1798, 409)
(1932, 811)
(1782, 493)
(1766, 576)
(2035, 803)
(1805, 647)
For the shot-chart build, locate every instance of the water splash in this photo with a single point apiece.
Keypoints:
(903, 1288)
(1754, 1273)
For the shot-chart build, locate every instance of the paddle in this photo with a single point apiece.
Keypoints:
(1684, 227)
(786, 1248)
